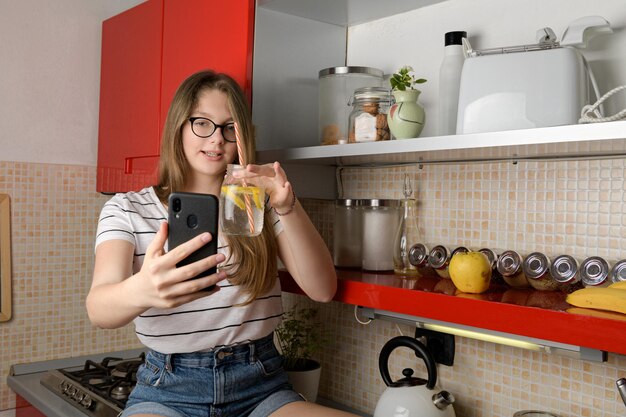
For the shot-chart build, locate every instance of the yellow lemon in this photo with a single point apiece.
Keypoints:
(470, 272)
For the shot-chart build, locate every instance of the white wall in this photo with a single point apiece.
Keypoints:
(50, 78)
(50, 60)
(417, 38)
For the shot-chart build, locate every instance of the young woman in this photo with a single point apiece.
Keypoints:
(210, 352)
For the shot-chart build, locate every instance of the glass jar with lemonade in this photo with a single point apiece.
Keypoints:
(242, 205)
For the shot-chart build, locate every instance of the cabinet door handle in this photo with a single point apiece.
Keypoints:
(128, 162)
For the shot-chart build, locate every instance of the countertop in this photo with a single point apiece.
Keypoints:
(24, 379)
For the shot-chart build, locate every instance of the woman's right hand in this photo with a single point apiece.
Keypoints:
(161, 284)
(117, 296)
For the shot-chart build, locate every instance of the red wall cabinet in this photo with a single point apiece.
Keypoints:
(146, 52)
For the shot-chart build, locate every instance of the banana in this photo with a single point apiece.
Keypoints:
(621, 285)
(611, 299)
(596, 313)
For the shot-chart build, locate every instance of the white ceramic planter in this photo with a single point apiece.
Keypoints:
(306, 383)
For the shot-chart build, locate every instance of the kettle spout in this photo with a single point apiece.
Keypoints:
(443, 399)
(621, 388)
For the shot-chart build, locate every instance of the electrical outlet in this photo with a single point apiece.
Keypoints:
(440, 345)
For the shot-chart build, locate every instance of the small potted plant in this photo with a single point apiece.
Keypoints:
(300, 336)
(403, 80)
(406, 117)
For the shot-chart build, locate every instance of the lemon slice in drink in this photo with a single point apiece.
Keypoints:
(257, 195)
(230, 193)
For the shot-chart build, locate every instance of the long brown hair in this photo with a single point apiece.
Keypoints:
(253, 259)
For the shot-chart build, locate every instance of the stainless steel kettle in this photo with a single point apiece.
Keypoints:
(411, 396)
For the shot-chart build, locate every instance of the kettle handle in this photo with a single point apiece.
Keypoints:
(420, 351)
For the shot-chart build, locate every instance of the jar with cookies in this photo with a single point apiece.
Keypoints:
(368, 120)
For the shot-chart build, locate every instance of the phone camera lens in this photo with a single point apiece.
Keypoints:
(176, 205)
(192, 221)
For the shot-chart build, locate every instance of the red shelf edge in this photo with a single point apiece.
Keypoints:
(551, 325)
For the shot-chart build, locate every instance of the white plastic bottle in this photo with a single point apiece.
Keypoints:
(450, 81)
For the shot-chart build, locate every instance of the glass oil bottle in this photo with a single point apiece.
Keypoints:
(408, 233)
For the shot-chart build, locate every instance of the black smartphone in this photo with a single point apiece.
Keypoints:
(190, 214)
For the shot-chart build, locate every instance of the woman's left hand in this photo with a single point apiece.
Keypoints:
(273, 178)
(300, 247)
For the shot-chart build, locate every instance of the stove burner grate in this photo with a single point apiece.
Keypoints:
(113, 378)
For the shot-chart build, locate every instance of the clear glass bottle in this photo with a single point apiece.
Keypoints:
(594, 272)
(242, 206)
(368, 120)
(510, 267)
(408, 227)
(536, 267)
(408, 233)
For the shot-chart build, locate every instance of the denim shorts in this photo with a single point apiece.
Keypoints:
(239, 380)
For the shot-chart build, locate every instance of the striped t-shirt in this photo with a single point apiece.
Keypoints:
(202, 324)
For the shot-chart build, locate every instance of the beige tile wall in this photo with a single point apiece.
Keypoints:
(575, 207)
(54, 210)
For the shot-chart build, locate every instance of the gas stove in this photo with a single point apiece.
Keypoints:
(99, 389)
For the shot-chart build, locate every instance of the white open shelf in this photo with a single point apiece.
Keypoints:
(590, 141)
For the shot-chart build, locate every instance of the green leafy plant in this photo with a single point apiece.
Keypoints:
(300, 336)
(404, 80)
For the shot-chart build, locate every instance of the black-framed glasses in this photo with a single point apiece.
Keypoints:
(204, 128)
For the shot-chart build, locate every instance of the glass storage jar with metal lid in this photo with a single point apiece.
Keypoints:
(594, 272)
(439, 259)
(510, 267)
(536, 267)
(368, 119)
(618, 271)
(418, 255)
(492, 256)
(380, 223)
(336, 88)
(348, 233)
(564, 270)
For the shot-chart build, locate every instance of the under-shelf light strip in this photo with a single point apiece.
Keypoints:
(481, 336)
(488, 335)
